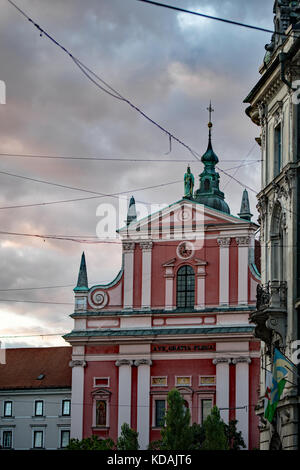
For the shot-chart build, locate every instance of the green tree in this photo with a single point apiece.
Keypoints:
(198, 436)
(91, 443)
(215, 434)
(128, 439)
(234, 437)
(176, 434)
(155, 445)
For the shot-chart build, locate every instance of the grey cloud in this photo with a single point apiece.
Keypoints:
(170, 72)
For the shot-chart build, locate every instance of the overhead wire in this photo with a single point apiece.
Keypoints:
(112, 159)
(210, 17)
(114, 93)
(64, 201)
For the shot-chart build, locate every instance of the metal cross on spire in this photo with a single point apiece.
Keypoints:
(210, 110)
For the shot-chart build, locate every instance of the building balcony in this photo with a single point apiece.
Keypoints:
(271, 311)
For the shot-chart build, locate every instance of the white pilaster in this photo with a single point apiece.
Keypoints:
(224, 244)
(77, 398)
(169, 282)
(222, 386)
(201, 273)
(242, 396)
(124, 402)
(143, 401)
(128, 253)
(146, 247)
(243, 251)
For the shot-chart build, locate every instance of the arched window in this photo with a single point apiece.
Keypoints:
(278, 242)
(185, 287)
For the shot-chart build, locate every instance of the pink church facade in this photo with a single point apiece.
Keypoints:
(177, 315)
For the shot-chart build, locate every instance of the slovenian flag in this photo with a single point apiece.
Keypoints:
(275, 383)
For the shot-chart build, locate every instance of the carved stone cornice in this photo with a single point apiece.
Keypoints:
(243, 241)
(77, 363)
(128, 247)
(224, 242)
(221, 360)
(142, 362)
(238, 360)
(262, 208)
(123, 362)
(146, 245)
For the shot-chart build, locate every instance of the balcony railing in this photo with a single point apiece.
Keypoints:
(271, 309)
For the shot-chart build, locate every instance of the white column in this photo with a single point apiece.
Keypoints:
(124, 402)
(242, 396)
(243, 244)
(222, 386)
(128, 253)
(143, 401)
(146, 247)
(201, 273)
(169, 292)
(77, 398)
(224, 244)
(200, 292)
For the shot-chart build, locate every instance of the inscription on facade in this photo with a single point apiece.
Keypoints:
(183, 347)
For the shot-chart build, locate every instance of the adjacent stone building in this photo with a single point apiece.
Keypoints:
(274, 106)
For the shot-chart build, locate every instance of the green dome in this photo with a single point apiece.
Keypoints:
(209, 192)
(209, 156)
(213, 202)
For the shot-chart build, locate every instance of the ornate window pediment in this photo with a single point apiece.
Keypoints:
(101, 393)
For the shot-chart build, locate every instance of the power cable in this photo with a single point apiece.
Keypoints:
(223, 20)
(114, 93)
(101, 195)
(112, 159)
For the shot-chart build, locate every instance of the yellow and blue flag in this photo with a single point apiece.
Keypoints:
(281, 366)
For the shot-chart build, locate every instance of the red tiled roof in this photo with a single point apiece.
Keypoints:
(24, 365)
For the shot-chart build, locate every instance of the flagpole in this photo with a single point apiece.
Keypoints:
(295, 385)
(294, 365)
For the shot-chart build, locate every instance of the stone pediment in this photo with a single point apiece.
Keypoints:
(184, 216)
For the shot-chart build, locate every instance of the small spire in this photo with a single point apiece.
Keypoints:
(210, 124)
(82, 282)
(245, 207)
(131, 214)
(209, 192)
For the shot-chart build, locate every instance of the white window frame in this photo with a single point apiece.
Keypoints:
(60, 436)
(12, 438)
(34, 430)
(154, 399)
(159, 377)
(62, 407)
(34, 408)
(101, 385)
(4, 415)
(183, 385)
(203, 396)
(207, 385)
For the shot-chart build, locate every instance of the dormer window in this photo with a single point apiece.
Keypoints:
(185, 287)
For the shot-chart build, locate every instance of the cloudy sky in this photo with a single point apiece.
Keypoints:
(168, 64)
